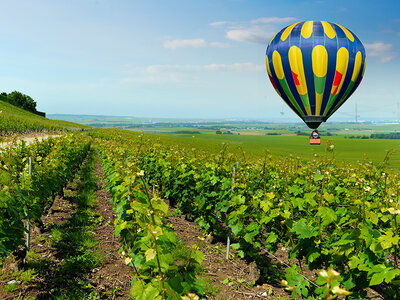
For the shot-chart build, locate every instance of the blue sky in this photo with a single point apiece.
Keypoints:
(187, 59)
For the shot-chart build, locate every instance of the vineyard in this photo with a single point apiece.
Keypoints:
(332, 218)
(338, 224)
(26, 194)
(16, 120)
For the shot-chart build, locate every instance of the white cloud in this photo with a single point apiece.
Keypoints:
(384, 52)
(256, 31)
(272, 20)
(186, 73)
(219, 23)
(236, 67)
(195, 43)
(254, 35)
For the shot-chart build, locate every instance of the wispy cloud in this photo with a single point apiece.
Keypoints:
(219, 23)
(272, 20)
(185, 73)
(256, 31)
(193, 43)
(255, 35)
(384, 52)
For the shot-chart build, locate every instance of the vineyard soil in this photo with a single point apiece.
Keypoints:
(233, 278)
(51, 260)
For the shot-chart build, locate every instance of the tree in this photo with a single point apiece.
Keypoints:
(21, 100)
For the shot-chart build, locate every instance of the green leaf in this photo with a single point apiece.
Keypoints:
(252, 226)
(318, 177)
(272, 237)
(328, 197)
(225, 281)
(349, 284)
(159, 204)
(388, 240)
(150, 254)
(235, 246)
(265, 205)
(377, 278)
(236, 228)
(296, 280)
(197, 255)
(298, 203)
(313, 256)
(119, 226)
(137, 289)
(295, 190)
(151, 292)
(327, 215)
(303, 230)
(391, 274)
(250, 235)
(238, 200)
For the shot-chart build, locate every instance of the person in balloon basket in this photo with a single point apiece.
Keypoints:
(314, 134)
(314, 138)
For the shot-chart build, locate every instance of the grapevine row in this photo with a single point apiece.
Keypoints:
(25, 198)
(344, 218)
(162, 269)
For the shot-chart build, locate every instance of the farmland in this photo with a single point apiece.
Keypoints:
(255, 146)
(314, 222)
(327, 214)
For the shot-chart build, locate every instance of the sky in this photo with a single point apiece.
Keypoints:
(182, 59)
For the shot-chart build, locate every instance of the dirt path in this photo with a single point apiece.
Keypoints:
(28, 139)
(73, 253)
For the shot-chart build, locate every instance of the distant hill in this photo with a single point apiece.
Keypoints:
(17, 120)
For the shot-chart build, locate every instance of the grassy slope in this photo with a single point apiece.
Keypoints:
(16, 119)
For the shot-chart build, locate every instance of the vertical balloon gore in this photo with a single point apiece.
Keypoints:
(315, 66)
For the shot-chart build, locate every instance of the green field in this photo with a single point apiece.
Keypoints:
(255, 146)
(254, 141)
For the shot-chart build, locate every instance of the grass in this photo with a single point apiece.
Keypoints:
(255, 146)
(17, 120)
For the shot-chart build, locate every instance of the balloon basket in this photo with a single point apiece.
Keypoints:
(315, 139)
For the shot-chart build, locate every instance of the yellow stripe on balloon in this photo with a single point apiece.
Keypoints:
(287, 31)
(307, 29)
(365, 63)
(348, 33)
(318, 103)
(277, 62)
(319, 61)
(357, 66)
(342, 61)
(296, 64)
(329, 31)
(267, 63)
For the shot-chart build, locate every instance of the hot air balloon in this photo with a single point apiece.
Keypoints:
(315, 66)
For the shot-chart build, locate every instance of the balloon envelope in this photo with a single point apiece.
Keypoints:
(315, 66)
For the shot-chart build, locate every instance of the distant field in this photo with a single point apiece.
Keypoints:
(254, 141)
(255, 146)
